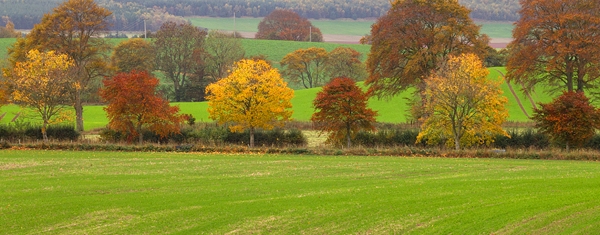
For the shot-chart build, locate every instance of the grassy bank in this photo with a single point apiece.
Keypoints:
(109, 192)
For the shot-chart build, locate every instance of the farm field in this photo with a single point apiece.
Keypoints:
(335, 27)
(61, 192)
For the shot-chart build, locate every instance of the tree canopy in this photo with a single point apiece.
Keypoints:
(556, 43)
(463, 107)
(306, 67)
(253, 96)
(409, 42)
(341, 109)
(283, 24)
(569, 119)
(133, 105)
(65, 31)
(133, 54)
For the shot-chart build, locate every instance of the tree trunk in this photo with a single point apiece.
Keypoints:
(567, 146)
(78, 106)
(44, 132)
(251, 137)
(348, 142)
(456, 143)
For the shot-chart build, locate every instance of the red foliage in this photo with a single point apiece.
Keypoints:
(570, 118)
(133, 105)
(341, 108)
(287, 25)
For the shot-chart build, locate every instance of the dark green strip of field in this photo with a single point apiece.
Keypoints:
(54, 192)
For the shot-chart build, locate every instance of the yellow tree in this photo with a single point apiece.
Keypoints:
(253, 96)
(73, 28)
(463, 106)
(42, 83)
(306, 67)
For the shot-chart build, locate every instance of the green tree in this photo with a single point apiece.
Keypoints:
(223, 50)
(341, 109)
(253, 96)
(133, 54)
(410, 41)
(463, 106)
(569, 119)
(66, 31)
(179, 52)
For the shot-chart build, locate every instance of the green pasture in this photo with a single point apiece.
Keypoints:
(335, 27)
(393, 110)
(58, 192)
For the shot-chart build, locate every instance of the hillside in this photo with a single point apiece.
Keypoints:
(127, 14)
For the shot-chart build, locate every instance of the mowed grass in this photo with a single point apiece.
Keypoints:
(56, 192)
(335, 27)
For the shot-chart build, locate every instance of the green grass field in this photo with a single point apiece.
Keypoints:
(335, 27)
(394, 110)
(57, 192)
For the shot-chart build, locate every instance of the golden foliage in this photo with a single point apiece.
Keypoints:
(462, 106)
(253, 96)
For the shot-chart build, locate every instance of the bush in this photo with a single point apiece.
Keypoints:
(386, 138)
(276, 137)
(26, 131)
(523, 139)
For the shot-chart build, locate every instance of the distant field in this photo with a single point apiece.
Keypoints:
(335, 27)
(62, 192)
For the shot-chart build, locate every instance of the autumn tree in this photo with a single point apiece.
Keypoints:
(556, 43)
(133, 106)
(223, 50)
(133, 54)
(345, 62)
(569, 119)
(306, 67)
(42, 83)
(253, 96)
(341, 109)
(8, 31)
(410, 41)
(179, 52)
(73, 28)
(287, 25)
(463, 106)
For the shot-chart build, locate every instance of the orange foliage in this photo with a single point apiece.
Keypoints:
(556, 42)
(341, 109)
(570, 119)
(413, 37)
(134, 105)
(287, 25)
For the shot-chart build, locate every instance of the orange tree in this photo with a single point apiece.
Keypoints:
(42, 83)
(133, 54)
(305, 67)
(341, 109)
(287, 25)
(134, 105)
(557, 43)
(73, 28)
(462, 105)
(253, 96)
(569, 119)
(412, 38)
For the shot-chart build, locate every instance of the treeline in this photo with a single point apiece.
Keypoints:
(129, 14)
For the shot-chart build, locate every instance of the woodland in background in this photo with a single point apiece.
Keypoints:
(128, 15)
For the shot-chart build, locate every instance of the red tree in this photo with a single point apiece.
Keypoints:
(134, 105)
(341, 109)
(287, 25)
(570, 119)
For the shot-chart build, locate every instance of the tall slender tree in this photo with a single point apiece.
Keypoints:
(72, 28)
